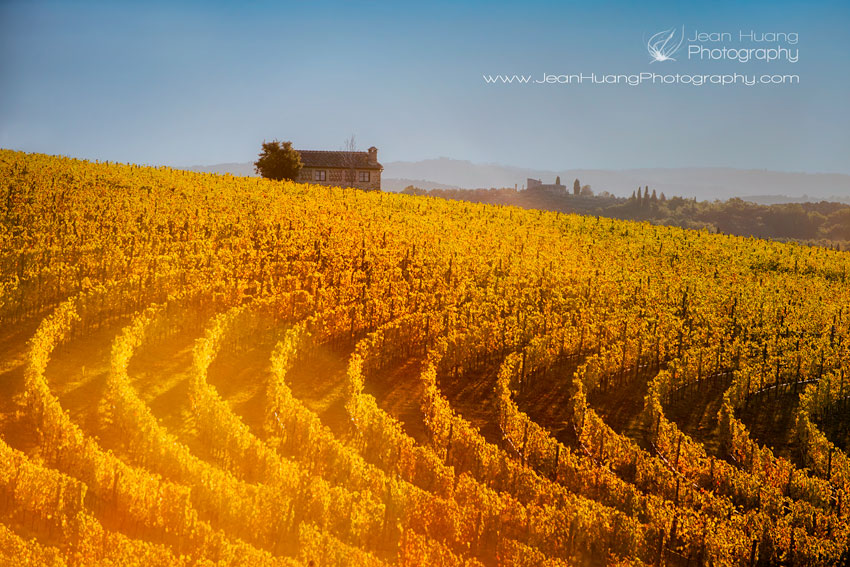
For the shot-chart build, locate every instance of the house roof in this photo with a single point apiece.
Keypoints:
(321, 158)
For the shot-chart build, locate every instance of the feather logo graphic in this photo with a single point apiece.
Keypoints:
(663, 45)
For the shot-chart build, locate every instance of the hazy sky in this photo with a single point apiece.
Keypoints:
(201, 83)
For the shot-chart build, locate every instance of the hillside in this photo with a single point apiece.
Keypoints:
(212, 370)
(820, 224)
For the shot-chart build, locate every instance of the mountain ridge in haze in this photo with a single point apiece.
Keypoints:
(703, 183)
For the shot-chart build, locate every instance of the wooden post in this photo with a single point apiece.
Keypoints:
(522, 374)
(829, 467)
(791, 549)
(449, 442)
(557, 459)
(790, 478)
(524, 442)
(660, 549)
(478, 531)
(678, 449)
(601, 445)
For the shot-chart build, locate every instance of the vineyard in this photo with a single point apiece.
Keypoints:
(211, 370)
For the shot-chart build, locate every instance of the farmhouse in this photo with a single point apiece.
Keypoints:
(342, 168)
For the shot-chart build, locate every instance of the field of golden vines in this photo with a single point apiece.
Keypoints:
(210, 370)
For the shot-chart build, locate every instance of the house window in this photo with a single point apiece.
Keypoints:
(320, 175)
(364, 176)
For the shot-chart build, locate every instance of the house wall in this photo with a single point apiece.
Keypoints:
(337, 177)
(537, 185)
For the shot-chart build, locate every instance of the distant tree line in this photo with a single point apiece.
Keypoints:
(823, 223)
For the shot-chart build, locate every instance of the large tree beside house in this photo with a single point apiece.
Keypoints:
(278, 161)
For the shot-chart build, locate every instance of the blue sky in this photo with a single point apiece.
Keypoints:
(200, 83)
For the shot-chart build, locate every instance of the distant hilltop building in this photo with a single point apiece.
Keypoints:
(538, 185)
(342, 168)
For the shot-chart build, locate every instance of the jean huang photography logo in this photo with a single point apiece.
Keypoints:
(742, 46)
(663, 45)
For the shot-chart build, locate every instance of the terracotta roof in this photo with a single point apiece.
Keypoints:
(321, 158)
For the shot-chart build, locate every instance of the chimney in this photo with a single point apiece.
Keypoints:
(373, 156)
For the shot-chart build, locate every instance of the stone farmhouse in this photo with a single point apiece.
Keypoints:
(342, 168)
(538, 185)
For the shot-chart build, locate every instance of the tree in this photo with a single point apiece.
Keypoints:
(654, 196)
(413, 190)
(558, 180)
(586, 191)
(639, 198)
(350, 160)
(839, 225)
(576, 187)
(278, 161)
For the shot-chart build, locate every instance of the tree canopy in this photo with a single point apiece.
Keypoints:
(278, 161)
